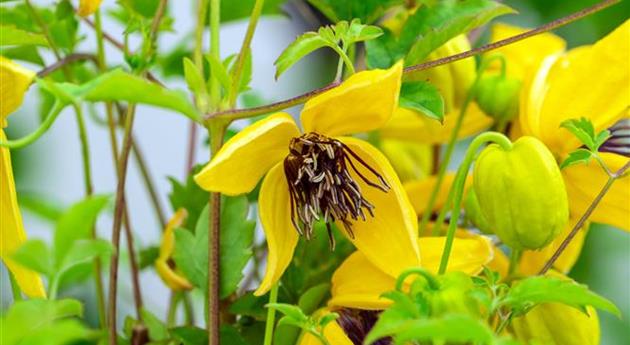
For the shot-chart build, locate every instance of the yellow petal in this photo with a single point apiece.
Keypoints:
(12, 233)
(332, 332)
(173, 279)
(389, 238)
(419, 192)
(274, 209)
(88, 7)
(247, 156)
(583, 183)
(410, 125)
(411, 161)
(357, 283)
(578, 86)
(523, 57)
(364, 102)
(14, 80)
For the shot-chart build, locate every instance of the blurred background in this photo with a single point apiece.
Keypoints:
(49, 174)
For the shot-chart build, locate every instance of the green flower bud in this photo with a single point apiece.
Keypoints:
(521, 193)
(557, 324)
(453, 296)
(474, 214)
(498, 97)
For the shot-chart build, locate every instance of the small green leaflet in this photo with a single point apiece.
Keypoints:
(367, 11)
(583, 129)
(577, 157)
(422, 97)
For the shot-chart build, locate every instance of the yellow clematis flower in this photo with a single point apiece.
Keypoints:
(357, 284)
(88, 7)
(14, 80)
(574, 85)
(164, 262)
(320, 174)
(453, 80)
(419, 191)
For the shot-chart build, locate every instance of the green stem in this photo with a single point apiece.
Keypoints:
(514, 259)
(215, 16)
(240, 61)
(433, 283)
(15, 288)
(457, 190)
(200, 99)
(172, 309)
(43, 128)
(271, 315)
(450, 147)
(216, 133)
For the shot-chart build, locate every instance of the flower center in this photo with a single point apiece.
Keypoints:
(321, 186)
(619, 141)
(356, 324)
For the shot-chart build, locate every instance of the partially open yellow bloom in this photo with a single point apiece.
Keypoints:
(164, 263)
(575, 85)
(453, 81)
(305, 174)
(88, 7)
(14, 80)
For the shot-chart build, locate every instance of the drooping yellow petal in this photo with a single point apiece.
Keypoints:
(333, 333)
(410, 125)
(364, 102)
(247, 156)
(419, 192)
(532, 261)
(523, 57)
(14, 80)
(12, 233)
(584, 181)
(577, 86)
(173, 279)
(389, 238)
(274, 210)
(88, 7)
(357, 283)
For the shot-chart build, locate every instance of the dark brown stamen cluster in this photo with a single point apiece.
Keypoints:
(619, 141)
(321, 186)
(356, 324)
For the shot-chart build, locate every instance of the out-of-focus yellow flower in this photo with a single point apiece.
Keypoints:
(88, 7)
(309, 175)
(572, 86)
(419, 191)
(557, 324)
(333, 333)
(453, 81)
(14, 80)
(411, 161)
(359, 284)
(164, 263)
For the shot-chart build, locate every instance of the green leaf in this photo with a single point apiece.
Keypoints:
(250, 305)
(218, 70)
(584, 130)
(25, 318)
(302, 46)
(358, 32)
(118, 85)
(532, 291)
(313, 298)
(148, 255)
(190, 196)
(424, 98)
(367, 11)
(234, 10)
(448, 329)
(190, 335)
(60, 333)
(83, 251)
(23, 53)
(12, 36)
(246, 74)
(45, 209)
(191, 256)
(230, 335)
(449, 18)
(76, 223)
(579, 156)
(34, 254)
(194, 77)
(157, 329)
(291, 311)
